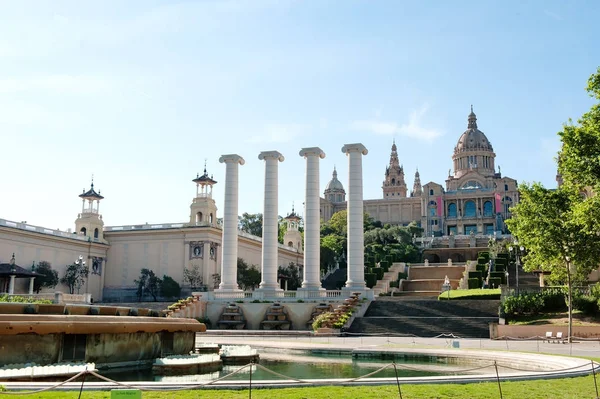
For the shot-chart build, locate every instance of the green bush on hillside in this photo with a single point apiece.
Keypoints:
(473, 283)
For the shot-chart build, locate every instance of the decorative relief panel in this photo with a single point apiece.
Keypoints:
(196, 250)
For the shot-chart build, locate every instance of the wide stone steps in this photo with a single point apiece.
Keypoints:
(427, 317)
(423, 327)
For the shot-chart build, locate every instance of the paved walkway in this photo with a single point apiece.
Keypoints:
(580, 348)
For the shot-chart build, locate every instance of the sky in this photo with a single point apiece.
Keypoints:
(140, 94)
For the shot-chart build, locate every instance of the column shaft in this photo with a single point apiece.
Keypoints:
(230, 223)
(312, 220)
(270, 221)
(11, 285)
(356, 249)
(31, 285)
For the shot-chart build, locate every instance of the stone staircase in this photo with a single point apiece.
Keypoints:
(427, 281)
(427, 317)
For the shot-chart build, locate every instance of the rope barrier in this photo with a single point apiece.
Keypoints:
(594, 367)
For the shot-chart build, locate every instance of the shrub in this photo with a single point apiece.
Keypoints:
(402, 276)
(476, 274)
(554, 300)
(300, 301)
(323, 320)
(370, 279)
(494, 282)
(586, 304)
(473, 283)
(94, 311)
(153, 313)
(169, 288)
(499, 275)
(394, 284)
(133, 312)
(531, 303)
(378, 272)
(384, 265)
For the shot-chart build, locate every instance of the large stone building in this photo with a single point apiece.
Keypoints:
(117, 254)
(476, 198)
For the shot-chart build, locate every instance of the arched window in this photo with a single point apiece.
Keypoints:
(393, 182)
(210, 218)
(506, 187)
(470, 209)
(431, 191)
(452, 210)
(96, 232)
(83, 231)
(199, 217)
(290, 244)
(488, 209)
(471, 184)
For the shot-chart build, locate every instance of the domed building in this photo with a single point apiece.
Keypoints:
(474, 203)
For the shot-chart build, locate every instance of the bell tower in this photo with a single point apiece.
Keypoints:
(89, 222)
(394, 185)
(293, 237)
(203, 211)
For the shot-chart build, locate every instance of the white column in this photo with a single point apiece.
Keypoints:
(312, 219)
(11, 285)
(230, 223)
(270, 221)
(31, 285)
(356, 249)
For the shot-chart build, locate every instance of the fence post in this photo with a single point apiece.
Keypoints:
(498, 378)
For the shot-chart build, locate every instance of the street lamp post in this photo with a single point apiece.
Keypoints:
(517, 251)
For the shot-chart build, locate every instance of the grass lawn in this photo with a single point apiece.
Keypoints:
(569, 388)
(479, 293)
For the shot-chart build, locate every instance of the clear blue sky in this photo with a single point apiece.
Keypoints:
(140, 93)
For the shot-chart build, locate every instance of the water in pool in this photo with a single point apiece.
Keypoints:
(305, 366)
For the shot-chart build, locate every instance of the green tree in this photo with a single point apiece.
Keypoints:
(332, 248)
(292, 274)
(48, 277)
(75, 276)
(193, 276)
(169, 288)
(248, 276)
(251, 223)
(548, 223)
(148, 283)
(579, 157)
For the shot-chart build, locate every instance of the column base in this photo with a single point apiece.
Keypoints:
(364, 290)
(310, 292)
(268, 293)
(228, 288)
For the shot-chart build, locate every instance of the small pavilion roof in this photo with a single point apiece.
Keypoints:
(7, 269)
(91, 193)
(204, 179)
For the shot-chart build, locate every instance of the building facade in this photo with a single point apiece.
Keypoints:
(115, 255)
(475, 199)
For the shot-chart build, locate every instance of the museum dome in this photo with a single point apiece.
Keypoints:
(473, 139)
(334, 184)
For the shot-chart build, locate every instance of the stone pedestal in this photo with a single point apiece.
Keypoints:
(312, 220)
(31, 285)
(356, 249)
(270, 222)
(230, 223)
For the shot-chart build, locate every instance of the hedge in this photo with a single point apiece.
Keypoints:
(483, 294)
(494, 282)
(378, 272)
(370, 279)
(476, 274)
(473, 283)
(499, 275)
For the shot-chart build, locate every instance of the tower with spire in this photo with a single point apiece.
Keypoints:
(203, 210)
(89, 222)
(417, 190)
(293, 237)
(394, 185)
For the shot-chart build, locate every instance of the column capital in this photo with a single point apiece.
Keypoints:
(271, 155)
(232, 158)
(305, 152)
(355, 147)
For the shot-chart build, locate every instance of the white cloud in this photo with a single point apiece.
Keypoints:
(413, 128)
(278, 133)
